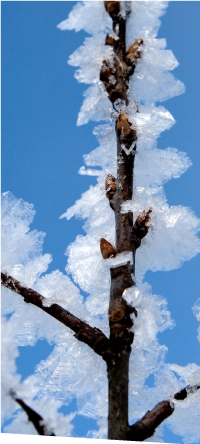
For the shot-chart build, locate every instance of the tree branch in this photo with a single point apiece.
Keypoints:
(33, 417)
(93, 337)
(146, 427)
(180, 396)
(119, 190)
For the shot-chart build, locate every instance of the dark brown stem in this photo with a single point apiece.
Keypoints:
(93, 337)
(128, 236)
(33, 417)
(118, 371)
(119, 311)
(146, 427)
(121, 85)
(180, 396)
(118, 363)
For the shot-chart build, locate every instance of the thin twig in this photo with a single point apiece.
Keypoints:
(33, 417)
(93, 337)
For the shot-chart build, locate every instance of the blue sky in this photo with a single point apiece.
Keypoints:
(42, 148)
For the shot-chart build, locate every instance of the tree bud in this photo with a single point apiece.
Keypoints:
(110, 186)
(123, 124)
(113, 8)
(133, 52)
(141, 226)
(107, 250)
(106, 71)
(126, 134)
(109, 40)
(134, 48)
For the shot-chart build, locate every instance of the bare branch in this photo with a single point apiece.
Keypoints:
(180, 396)
(93, 337)
(119, 310)
(145, 428)
(33, 417)
(118, 191)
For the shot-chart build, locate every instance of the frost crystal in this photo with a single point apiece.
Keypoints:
(69, 370)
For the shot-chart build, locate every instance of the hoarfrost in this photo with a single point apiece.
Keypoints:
(72, 369)
(152, 82)
(89, 16)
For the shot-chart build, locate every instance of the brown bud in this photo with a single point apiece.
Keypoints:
(126, 134)
(133, 52)
(123, 124)
(107, 2)
(109, 40)
(130, 60)
(141, 225)
(106, 71)
(113, 8)
(134, 48)
(107, 250)
(110, 184)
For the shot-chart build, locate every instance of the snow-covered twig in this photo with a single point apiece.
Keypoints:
(33, 417)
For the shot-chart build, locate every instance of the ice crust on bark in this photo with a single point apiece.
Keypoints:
(72, 369)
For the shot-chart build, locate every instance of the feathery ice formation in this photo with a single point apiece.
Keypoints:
(69, 370)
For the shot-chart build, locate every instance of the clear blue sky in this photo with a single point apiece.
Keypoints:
(42, 148)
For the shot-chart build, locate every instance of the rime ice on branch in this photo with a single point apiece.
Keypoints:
(130, 105)
(124, 95)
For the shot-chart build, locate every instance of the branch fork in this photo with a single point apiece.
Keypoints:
(115, 350)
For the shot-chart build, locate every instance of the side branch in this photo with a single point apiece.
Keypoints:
(145, 428)
(33, 417)
(93, 337)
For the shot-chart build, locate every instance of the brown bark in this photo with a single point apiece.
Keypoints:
(145, 428)
(118, 371)
(120, 321)
(93, 337)
(116, 350)
(180, 396)
(33, 417)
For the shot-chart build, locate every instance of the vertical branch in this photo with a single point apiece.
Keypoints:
(119, 190)
(115, 78)
(121, 339)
